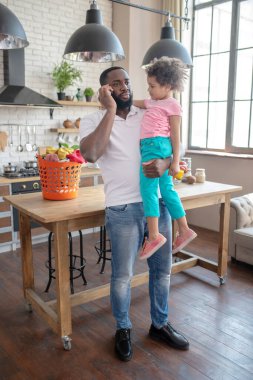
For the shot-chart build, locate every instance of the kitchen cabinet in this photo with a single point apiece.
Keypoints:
(10, 240)
(92, 180)
(6, 234)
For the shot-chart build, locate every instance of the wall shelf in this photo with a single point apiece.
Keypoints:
(82, 104)
(65, 130)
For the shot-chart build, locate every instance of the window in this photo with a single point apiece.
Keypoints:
(221, 106)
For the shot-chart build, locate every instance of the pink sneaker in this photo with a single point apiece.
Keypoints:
(182, 240)
(150, 247)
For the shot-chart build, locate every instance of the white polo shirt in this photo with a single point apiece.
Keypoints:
(120, 164)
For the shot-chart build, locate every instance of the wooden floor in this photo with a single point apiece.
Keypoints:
(218, 321)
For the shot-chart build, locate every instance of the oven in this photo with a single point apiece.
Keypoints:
(24, 188)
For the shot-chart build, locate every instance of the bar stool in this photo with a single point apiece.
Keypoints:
(76, 262)
(103, 246)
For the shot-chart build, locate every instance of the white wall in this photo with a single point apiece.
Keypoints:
(48, 25)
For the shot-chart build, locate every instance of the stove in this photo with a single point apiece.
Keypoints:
(24, 187)
(21, 173)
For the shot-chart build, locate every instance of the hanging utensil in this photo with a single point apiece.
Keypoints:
(28, 146)
(11, 137)
(11, 141)
(20, 146)
(69, 140)
(3, 140)
(35, 147)
(61, 139)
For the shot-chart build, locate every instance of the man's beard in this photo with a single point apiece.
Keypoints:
(122, 104)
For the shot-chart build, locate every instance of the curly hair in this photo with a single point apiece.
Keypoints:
(168, 71)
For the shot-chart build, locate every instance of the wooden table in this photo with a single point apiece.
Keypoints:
(87, 211)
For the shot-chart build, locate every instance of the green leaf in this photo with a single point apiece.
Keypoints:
(75, 147)
(65, 145)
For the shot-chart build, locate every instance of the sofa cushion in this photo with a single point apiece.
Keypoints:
(244, 237)
(244, 208)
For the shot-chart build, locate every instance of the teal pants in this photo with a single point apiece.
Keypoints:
(152, 148)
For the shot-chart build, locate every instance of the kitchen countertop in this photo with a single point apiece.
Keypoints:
(85, 172)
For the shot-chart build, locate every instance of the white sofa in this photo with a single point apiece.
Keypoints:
(241, 229)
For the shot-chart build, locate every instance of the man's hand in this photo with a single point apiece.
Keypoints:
(106, 99)
(155, 168)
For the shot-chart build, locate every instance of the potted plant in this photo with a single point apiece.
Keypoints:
(65, 75)
(88, 93)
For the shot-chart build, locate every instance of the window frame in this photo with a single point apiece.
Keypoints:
(229, 148)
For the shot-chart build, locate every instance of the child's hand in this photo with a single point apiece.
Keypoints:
(174, 168)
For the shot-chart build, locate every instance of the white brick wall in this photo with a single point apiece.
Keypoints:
(48, 25)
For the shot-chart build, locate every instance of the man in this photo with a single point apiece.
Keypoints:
(111, 137)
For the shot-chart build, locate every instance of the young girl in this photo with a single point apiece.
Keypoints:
(160, 138)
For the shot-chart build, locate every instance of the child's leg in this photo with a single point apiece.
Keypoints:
(175, 207)
(153, 229)
(151, 207)
(184, 237)
(150, 149)
(182, 225)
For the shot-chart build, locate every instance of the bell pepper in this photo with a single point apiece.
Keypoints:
(62, 153)
(76, 157)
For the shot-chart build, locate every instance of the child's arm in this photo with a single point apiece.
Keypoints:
(139, 103)
(175, 122)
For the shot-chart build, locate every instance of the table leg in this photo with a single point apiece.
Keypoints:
(61, 251)
(26, 251)
(223, 239)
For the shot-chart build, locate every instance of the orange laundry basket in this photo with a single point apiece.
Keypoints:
(59, 180)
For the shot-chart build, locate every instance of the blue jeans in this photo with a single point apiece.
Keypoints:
(126, 227)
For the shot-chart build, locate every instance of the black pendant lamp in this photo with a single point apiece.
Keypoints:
(167, 46)
(12, 34)
(94, 42)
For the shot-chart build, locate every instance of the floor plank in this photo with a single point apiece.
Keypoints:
(216, 319)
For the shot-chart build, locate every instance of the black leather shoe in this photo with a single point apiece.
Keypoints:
(123, 345)
(170, 336)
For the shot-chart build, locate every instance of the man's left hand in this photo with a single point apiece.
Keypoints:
(155, 168)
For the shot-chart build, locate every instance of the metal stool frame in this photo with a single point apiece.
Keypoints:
(72, 262)
(101, 248)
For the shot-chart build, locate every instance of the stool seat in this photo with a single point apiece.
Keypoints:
(76, 262)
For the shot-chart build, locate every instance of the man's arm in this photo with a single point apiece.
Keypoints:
(93, 146)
